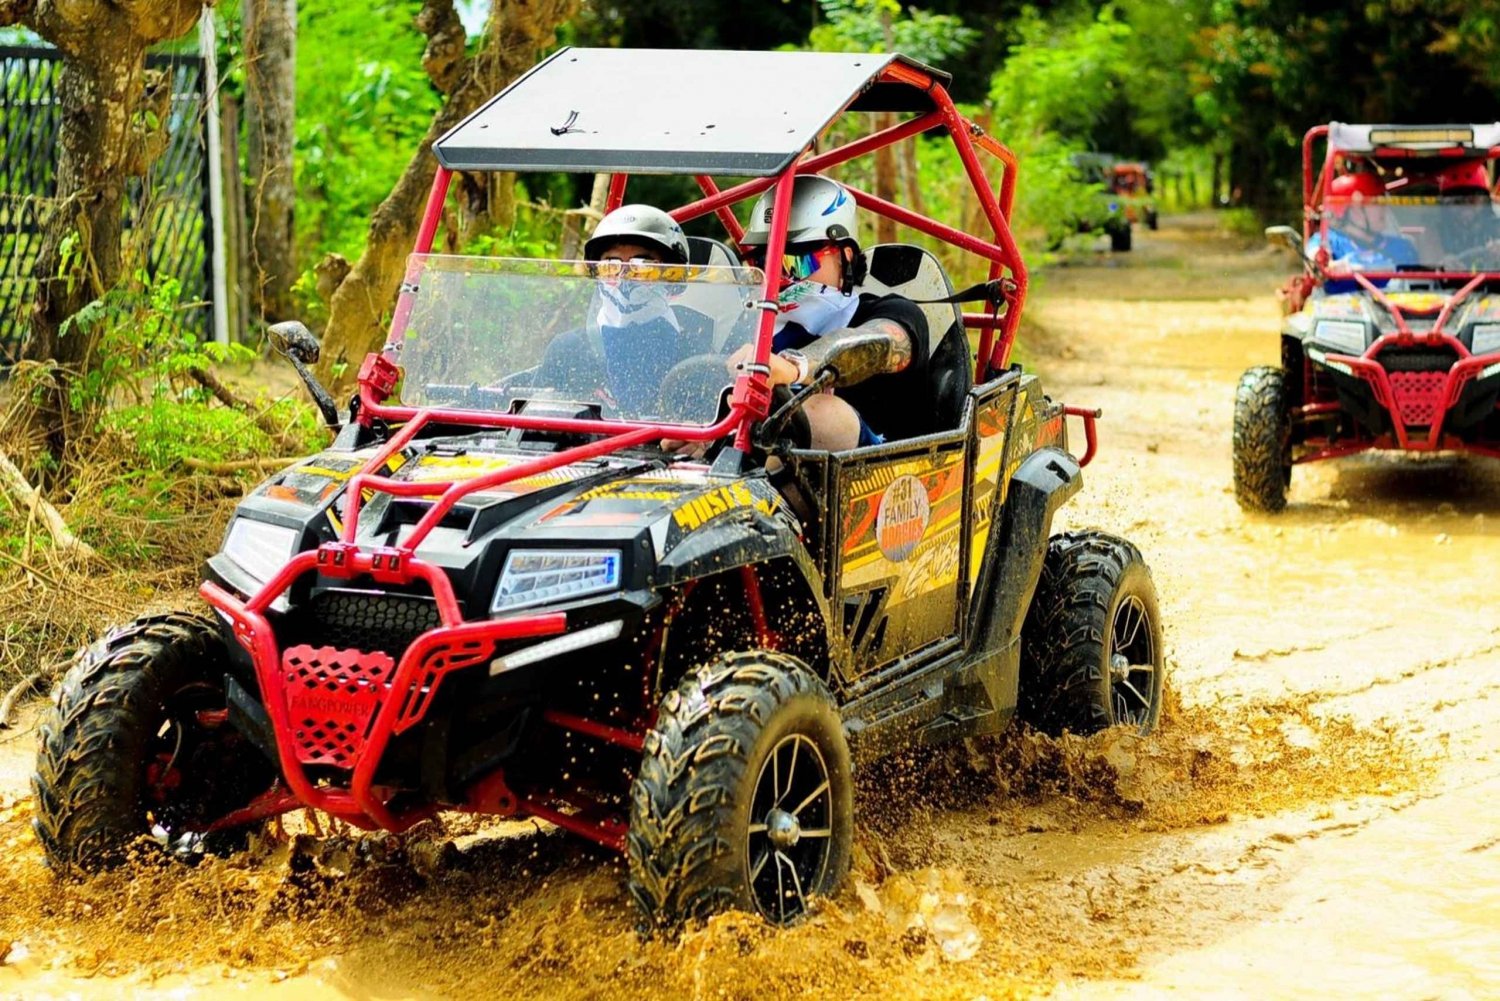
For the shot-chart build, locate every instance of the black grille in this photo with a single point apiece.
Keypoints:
(358, 621)
(1417, 359)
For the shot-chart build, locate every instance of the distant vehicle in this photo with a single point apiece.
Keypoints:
(498, 592)
(1121, 197)
(1135, 186)
(1392, 334)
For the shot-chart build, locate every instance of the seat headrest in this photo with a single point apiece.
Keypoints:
(707, 252)
(912, 271)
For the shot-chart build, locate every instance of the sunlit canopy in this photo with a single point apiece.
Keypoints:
(677, 111)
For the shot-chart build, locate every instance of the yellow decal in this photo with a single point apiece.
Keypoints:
(1417, 302)
(705, 507)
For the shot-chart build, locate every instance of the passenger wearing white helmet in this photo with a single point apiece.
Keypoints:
(638, 334)
(877, 345)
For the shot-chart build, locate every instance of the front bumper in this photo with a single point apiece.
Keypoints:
(340, 708)
(1426, 410)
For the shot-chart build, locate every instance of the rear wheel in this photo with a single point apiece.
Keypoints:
(1262, 440)
(744, 798)
(1091, 647)
(137, 744)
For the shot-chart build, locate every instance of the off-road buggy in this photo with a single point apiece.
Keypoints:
(1102, 209)
(498, 594)
(1133, 184)
(1392, 333)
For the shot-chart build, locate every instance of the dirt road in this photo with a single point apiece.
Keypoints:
(1319, 814)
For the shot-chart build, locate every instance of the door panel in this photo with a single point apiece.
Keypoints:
(901, 541)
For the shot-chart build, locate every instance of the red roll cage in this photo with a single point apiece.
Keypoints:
(750, 398)
(1385, 141)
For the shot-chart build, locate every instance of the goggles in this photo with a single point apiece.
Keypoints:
(795, 266)
(639, 269)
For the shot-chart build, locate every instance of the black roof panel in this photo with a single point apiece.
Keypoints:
(672, 111)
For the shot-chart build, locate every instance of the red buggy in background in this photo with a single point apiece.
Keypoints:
(1392, 338)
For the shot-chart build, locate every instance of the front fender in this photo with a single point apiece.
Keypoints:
(748, 537)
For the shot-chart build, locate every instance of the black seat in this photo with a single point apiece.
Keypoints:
(706, 251)
(908, 270)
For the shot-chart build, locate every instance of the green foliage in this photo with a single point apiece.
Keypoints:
(1060, 78)
(1265, 72)
(142, 345)
(862, 26)
(363, 106)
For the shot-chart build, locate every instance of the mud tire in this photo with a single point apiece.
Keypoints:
(1262, 440)
(690, 805)
(97, 741)
(1119, 238)
(1088, 580)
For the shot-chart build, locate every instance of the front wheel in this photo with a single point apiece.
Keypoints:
(1091, 646)
(1119, 238)
(745, 797)
(137, 744)
(1262, 440)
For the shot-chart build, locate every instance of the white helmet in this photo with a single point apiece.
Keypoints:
(646, 225)
(822, 209)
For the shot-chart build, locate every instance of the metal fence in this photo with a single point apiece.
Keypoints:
(167, 217)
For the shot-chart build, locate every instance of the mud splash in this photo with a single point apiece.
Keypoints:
(995, 869)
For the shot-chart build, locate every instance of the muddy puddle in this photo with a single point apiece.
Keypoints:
(994, 868)
(1318, 815)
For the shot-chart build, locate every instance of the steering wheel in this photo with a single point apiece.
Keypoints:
(1466, 259)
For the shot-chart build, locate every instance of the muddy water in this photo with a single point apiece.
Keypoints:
(1317, 816)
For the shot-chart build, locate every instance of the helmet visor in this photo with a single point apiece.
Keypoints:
(796, 264)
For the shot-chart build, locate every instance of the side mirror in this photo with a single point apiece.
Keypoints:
(1284, 236)
(293, 339)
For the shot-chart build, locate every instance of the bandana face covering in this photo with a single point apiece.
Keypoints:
(815, 307)
(640, 337)
(629, 303)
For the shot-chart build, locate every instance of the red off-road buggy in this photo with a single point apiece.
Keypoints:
(498, 593)
(1392, 334)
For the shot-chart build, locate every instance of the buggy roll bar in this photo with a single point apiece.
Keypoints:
(751, 395)
(1315, 187)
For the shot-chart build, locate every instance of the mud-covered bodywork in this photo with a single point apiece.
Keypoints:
(569, 556)
(900, 579)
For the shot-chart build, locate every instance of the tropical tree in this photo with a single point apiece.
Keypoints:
(270, 40)
(514, 34)
(113, 114)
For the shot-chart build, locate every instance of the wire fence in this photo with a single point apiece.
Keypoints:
(167, 215)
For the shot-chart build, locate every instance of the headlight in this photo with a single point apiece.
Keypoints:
(260, 548)
(1348, 336)
(535, 576)
(1486, 338)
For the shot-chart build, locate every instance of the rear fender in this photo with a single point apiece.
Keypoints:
(1012, 566)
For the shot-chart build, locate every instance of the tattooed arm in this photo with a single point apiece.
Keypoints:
(878, 347)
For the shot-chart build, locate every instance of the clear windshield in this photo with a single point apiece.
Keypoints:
(1412, 234)
(631, 342)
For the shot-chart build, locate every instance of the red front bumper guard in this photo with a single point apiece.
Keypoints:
(408, 687)
(1416, 399)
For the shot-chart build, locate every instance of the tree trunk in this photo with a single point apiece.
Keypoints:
(517, 31)
(112, 128)
(270, 118)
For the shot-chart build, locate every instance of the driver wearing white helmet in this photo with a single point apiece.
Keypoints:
(638, 334)
(876, 345)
